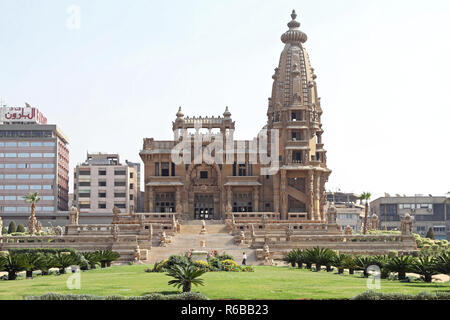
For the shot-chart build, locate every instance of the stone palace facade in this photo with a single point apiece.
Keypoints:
(296, 190)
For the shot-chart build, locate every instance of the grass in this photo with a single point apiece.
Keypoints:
(265, 283)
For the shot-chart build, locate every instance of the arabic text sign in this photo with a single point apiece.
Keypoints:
(22, 114)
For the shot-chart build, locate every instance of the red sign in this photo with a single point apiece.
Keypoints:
(20, 114)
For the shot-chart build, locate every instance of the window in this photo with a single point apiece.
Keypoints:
(10, 187)
(47, 187)
(102, 183)
(131, 186)
(23, 176)
(10, 155)
(131, 175)
(49, 165)
(102, 205)
(11, 144)
(173, 169)
(48, 198)
(24, 155)
(24, 144)
(49, 144)
(49, 155)
(242, 170)
(119, 183)
(156, 169)
(85, 205)
(35, 187)
(10, 166)
(203, 174)
(131, 197)
(23, 187)
(36, 144)
(48, 176)
(101, 172)
(102, 194)
(36, 165)
(10, 176)
(120, 194)
(10, 198)
(22, 166)
(84, 183)
(84, 195)
(164, 169)
(120, 205)
(10, 209)
(86, 173)
(120, 172)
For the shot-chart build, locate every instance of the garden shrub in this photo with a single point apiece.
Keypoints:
(153, 296)
(373, 295)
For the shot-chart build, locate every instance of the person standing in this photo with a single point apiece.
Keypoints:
(244, 259)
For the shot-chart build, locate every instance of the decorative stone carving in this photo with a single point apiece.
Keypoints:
(332, 214)
(163, 239)
(38, 226)
(348, 231)
(289, 232)
(116, 213)
(137, 254)
(73, 216)
(1, 226)
(406, 224)
(374, 222)
(58, 230)
(115, 232)
(203, 231)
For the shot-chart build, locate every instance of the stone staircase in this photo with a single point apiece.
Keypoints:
(217, 238)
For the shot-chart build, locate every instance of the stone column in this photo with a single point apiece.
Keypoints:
(317, 196)
(178, 205)
(284, 196)
(229, 206)
(310, 188)
(256, 199)
(276, 193)
(151, 200)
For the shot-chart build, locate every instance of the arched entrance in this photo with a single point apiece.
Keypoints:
(204, 192)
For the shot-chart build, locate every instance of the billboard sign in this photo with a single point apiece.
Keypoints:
(26, 114)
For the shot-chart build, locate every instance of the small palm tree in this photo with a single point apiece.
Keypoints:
(32, 198)
(291, 257)
(321, 257)
(45, 263)
(106, 257)
(340, 261)
(366, 197)
(381, 261)
(12, 263)
(401, 265)
(185, 276)
(32, 263)
(426, 266)
(443, 263)
(363, 263)
(93, 259)
(63, 260)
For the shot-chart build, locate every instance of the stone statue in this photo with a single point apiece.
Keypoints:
(58, 230)
(73, 216)
(332, 214)
(374, 222)
(38, 226)
(163, 239)
(348, 231)
(406, 224)
(116, 213)
(203, 231)
(1, 226)
(289, 232)
(242, 237)
(137, 254)
(115, 232)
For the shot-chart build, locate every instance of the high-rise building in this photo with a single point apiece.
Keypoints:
(295, 189)
(102, 183)
(33, 158)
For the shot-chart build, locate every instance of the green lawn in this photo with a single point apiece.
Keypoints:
(264, 283)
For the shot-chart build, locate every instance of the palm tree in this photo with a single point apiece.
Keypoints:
(32, 198)
(106, 257)
(401, 265)
(363, 263)
(93, 259)
(63, 260)
(185, 276)
(425, 266)
(12, 263)
(291, 257)
(45, 263)
(366, 197)
(32, 263)
(381, 261)
(340, 261)
(443, 263)
(321, 257)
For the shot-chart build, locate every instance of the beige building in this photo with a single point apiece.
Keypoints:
(236, 184)
(102, 183)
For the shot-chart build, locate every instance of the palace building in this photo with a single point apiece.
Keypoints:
(238, 185)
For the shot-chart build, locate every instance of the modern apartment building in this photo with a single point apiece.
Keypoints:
(102, 182)
(428, 212)
(33, 158)
(342, 197)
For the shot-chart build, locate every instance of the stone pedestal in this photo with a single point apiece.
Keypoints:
(202, 243)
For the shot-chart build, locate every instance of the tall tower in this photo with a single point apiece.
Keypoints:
(294, 109)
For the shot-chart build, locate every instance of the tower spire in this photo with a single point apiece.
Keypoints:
(294, 35)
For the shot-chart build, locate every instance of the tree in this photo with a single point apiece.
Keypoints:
(12, 227)
(426, 267)
(291, 257)
(443, 263)
(430, 234)
(63, 260)
(20, 228)
(401, 265)
(32, 198)
(366, 197)
(12, 263)
(185, 276)
(33, 262)
(105, 257)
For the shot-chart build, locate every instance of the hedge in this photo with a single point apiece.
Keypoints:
(153, 296)
(372, 295)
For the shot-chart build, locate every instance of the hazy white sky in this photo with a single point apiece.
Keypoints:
(383, 74)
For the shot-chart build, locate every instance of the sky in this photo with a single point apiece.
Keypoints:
(110, 73)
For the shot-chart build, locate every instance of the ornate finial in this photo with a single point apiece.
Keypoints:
(294, 35)
(180, 113)
(227, 113)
